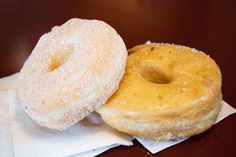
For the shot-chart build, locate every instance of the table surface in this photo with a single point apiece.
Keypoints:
(209, 26)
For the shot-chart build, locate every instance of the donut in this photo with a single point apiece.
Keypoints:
(72, 70)
(168, 92)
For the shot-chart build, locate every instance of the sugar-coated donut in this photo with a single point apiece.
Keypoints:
(168, 92)
(71, 71)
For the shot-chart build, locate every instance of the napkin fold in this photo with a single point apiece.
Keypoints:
(6, 145)
(9, 82)
(89, 137)
(29, 139)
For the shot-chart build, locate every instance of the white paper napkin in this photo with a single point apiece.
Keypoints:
(94, 152)
(29, 139)
(9, 82)
(6, 147)
(156, 146)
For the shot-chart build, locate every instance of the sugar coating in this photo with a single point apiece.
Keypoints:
(194, 50)
(71, 71)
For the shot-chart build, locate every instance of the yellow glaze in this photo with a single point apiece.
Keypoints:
(165, 83)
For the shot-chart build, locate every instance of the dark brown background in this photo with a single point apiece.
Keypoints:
(209, 26)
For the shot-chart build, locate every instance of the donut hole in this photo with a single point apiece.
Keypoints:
(58, 59)
(152, 73)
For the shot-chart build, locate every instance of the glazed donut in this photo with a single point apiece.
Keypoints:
(71, 71)
(168, 92)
